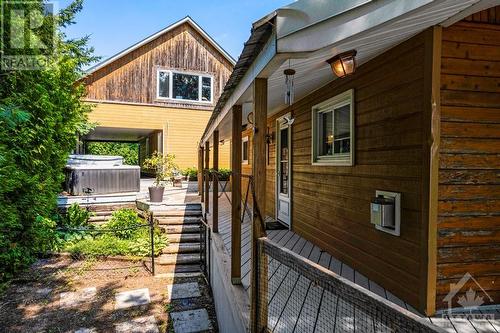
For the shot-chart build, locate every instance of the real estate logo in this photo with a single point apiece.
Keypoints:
(28, 30)
(470, 296)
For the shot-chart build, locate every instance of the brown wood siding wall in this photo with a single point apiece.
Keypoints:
(331, 204)
(469, 176)
(491, 15)
(132, 78)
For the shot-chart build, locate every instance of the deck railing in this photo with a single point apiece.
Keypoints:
(296, 295)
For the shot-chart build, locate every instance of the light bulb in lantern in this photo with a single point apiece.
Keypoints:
(343, 64)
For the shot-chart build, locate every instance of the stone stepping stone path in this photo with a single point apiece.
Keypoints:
(127, 299)
(183, 290)
(72, 299)
(191, 321)
(138, 325)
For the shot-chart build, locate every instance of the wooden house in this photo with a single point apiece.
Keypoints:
(160, 92)
(417, 118)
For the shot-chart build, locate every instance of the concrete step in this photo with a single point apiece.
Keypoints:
(176, 220)
(178, 259)
(178, 212)
(183, 238)
(181, 248)
(181, 229)
(99, 218)
(103, 213)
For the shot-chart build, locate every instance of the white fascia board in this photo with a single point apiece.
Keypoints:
(304, 13)
(187, 19)
(477, 7)
(345, 25)
(259, 68)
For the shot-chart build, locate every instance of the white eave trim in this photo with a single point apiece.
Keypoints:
(346, 25)
(187, 19)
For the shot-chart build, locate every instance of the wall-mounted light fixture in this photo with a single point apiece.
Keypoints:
(343, 64)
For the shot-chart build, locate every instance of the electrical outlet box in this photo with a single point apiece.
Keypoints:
(385, 212)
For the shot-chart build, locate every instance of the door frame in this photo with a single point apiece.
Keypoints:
(278, 125)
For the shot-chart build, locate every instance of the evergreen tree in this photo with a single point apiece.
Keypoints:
(41, 111)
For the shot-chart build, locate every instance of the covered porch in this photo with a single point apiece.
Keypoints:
(327, 217)
(297, 304)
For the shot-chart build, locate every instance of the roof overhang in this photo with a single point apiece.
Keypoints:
(308, 32)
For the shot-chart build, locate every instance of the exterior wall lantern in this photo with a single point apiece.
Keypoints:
(343, 64)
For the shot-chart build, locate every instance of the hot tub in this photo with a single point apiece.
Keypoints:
(100, 175)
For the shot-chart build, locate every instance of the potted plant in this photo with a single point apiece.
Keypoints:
(163, 167)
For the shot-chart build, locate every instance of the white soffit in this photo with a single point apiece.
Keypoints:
(313, 72)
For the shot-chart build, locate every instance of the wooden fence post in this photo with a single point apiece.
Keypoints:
(258, 316)
(236, 196)
(215, 184)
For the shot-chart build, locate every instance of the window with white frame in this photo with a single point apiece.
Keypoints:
(184, 86)
(333, 130)
(244, 150)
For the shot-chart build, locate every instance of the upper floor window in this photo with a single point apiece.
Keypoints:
(184, 86)
(333, 127)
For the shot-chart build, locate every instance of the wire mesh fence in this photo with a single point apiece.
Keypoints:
(296, 295)
(205, 248)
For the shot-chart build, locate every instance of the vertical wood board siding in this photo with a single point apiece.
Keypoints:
(132, 78)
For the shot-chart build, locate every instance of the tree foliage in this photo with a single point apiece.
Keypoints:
(129, 151)
(40, 113)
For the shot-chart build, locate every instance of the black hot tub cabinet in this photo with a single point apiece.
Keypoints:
(102, 174)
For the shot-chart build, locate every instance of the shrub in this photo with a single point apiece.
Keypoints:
(129, 151)
(43, 233)
(163, 166)
(191, 172)
(125, 222)
(76, 216)
(224, 174)
(120, 236)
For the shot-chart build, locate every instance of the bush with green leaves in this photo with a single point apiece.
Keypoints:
(129, 151)
(125, 234)
(125, 222)
(164, 167)
(191, 172)
(76, 216)
(224, 174)
(41, 113)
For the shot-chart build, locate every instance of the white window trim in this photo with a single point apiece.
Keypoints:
(171, 86)
(245, 139)
(345, 98)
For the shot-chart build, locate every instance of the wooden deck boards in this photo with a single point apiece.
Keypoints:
(297, 305)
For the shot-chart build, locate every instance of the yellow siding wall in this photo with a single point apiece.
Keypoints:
(182, 128)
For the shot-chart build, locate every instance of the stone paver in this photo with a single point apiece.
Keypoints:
(183, 290)
(127, 299)
(138, 325)
(191, 321)
(71, 299)
(85, 330)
